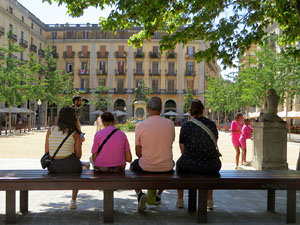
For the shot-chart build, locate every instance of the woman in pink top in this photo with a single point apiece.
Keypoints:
(246, 134)
(115, 152)
(236, 131)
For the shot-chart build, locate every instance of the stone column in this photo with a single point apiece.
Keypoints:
(270, 146)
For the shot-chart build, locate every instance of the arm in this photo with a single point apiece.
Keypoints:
(138, 151)
(78, 145)
(47, 140)
(181, 146)
(128, 156)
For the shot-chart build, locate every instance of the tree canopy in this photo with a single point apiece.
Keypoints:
(228, 26)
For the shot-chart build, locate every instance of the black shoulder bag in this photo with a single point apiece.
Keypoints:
(106, 139)
(46, 160)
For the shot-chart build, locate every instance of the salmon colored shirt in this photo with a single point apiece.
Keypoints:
(156, 136)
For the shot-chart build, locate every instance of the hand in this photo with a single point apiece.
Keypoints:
(83, 139)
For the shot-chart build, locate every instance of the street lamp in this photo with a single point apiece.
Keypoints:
(39, 107)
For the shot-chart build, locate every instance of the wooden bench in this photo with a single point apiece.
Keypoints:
(21, 126)
(29, 180)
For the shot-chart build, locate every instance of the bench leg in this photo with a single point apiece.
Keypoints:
(202, 206)
(10, 207)
(291, 207)
(271, 201)
(23, 202)
(192, 200)
(108, 206)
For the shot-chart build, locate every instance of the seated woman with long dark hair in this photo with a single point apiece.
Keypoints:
(67, 159)
(199, 153)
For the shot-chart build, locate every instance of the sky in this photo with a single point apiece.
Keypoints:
(52, 14)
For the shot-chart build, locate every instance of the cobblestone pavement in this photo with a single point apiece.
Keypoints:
(51, 207)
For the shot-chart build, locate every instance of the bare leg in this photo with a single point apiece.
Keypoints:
(180, 194)
(237, 156)
(74, 194)
(210, 195)
(159, 192)
(244, 153)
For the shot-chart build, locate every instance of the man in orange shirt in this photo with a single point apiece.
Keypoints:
(153, 139)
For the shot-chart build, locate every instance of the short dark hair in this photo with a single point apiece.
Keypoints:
(68, 120)
(107, 117)
(197, 107)
(237, 115)
(75, 98)
(155, 104)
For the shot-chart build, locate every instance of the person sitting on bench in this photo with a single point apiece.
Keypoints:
(153, 146)
(199, 153)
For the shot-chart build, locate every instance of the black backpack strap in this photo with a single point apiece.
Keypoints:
(106, 139)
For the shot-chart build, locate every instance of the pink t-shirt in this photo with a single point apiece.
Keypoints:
(156, 135)
(113, 151)
(235, 125)
(246, 132)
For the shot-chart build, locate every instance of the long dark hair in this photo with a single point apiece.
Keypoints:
(237, 115)
(68, 120)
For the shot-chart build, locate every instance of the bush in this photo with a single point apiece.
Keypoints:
(126, 127)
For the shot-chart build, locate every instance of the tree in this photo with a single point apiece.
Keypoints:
(188, 98)
(141, 92)
(57, 85)
(183, 21)
(12, 79)
(100, 101)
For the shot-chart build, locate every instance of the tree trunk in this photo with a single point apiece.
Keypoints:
(30, 116)
(287, 120)
(297, 6)
(225, 122)
(46, 112)
(218, 113)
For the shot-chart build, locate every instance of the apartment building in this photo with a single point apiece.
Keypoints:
(96, 57)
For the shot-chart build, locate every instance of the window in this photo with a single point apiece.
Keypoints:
(102, 50)
(121, 34)
(139, 50)
(120, 85)
(41, 32)
(155, 67)
(69, 67)
(139, 67)
(154, 85)
(40, 45)
(190, 51)
(83, 83)
(85, 34)
(121, 67)
(70, 34)
(102, 66)
(10, 9)
(23, 19)
(190, 67)
(22, 35)
(171, 85)
(102, 82)
(11, 27)
(84, 65)
(22, 56)
(171, 68)
(121, 50)
(53, 35)
(190, 84)
(31, 25)
(54, 49)
(155, 49)
(31, 41)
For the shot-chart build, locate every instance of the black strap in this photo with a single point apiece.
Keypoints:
(106, 139)
(61, 144)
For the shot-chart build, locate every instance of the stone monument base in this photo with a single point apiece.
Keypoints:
(139, 110)
(270, 145)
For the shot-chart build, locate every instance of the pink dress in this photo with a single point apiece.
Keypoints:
(246, 134)
(235, 125)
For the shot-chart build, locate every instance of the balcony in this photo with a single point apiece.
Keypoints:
(14, 37)
(83, 90)
(120, 55)
(171, 91)
(23, 43)
(84, 55)
(102, 54)
(190, 73)
(101, 72)
(68, 55)
(172, 55)
(171, 73)
(120, 72)
(120, 91)
(41, 53)
(139, 72)
(190, 56)
(2, 31)
(33, 48)
(194, 92)
(154, 72)
(155, 91)
(139, 55)
(55, 55)
(154, 55)
(83, 72)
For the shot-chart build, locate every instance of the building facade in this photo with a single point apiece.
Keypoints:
(96, 57)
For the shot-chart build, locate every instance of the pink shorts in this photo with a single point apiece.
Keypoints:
(243, 143)
(235, 141)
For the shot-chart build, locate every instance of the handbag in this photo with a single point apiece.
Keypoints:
(46, 159)
(208, 131)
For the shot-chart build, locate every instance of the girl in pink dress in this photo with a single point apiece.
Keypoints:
(246, 134)
(236, 131)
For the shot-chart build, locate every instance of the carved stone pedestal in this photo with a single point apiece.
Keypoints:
(139, 110)
(270, 145)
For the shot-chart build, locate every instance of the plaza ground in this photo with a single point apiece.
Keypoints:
(51, 207)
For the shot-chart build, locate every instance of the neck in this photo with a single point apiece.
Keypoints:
(196, 116)
(108, 124)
